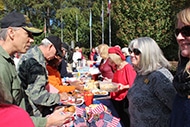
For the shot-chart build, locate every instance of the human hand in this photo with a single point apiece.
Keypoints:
(63, 96)
(121, 86)
(107, 79)
(78, 84)
(58, 118)
(79, 87)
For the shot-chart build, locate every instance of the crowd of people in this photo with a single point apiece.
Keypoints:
(147, 95)
(27, 88)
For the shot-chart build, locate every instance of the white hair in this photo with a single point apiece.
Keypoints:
(45, 41)
(151, 57)
(125, 50)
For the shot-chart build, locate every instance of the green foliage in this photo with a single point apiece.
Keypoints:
(2, 7)
(144, 18)
(129, 19)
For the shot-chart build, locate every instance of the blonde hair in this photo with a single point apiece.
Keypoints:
(103, 50)
(115, 58)
(184, 16)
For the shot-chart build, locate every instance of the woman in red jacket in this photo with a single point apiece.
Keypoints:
(124, 76)
(105, 68)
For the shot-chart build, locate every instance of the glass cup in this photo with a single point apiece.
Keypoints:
(88, 98)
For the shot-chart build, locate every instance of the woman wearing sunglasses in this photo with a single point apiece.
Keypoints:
(181, 107)
(124, 76)
(152, 93)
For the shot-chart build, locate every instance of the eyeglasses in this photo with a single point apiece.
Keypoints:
(135, 51)
(185, 31)
(30, 35)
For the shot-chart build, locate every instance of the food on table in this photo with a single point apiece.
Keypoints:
(73, 101)
(90, 85)
(70, 109)
(79, 101)
(99, 92)
(76, 94)
(108, 86)
(96, 83)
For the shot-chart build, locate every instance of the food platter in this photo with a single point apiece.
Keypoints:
(98, 93)
(73, 101)
(108, 86)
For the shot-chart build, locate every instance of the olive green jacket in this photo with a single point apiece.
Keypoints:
(14, 93)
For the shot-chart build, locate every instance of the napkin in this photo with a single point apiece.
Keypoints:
(80, 122)
(95, 117)
(108, 120)
(94, 112)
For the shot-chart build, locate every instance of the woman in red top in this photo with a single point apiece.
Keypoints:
(92, 53)
(105, 68)
(14, 116)
(124, 75)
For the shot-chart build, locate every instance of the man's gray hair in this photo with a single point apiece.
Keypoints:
(3, 34)
(45, 41)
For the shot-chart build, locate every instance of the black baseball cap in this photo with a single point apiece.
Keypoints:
(16, 19)
(65, 46)
(56, 41)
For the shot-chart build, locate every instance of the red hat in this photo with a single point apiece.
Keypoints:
(117, 51)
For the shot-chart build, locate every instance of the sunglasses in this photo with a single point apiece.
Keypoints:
(185, 31)
(135, 51)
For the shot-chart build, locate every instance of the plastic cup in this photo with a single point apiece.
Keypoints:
(88, 98)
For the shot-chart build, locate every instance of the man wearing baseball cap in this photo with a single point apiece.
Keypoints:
(16, 35)
(15, 19)
(34, 77)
